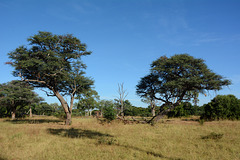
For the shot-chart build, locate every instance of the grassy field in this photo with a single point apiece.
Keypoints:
(43, 138)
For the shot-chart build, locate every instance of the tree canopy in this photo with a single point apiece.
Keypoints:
(53, 62)
(177, 79)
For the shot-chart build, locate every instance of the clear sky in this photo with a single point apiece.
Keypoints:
(125, 36)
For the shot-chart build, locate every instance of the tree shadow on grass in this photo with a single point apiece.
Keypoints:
(191, 119)
(2, 158)
(113, 142)
(150, 153)
(34, 121)
(77, 133)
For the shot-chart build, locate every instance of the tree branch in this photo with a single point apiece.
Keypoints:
(50, 94)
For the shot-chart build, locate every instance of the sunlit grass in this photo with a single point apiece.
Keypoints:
(48, 138)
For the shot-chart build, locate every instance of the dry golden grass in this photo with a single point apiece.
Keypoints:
(43, 138)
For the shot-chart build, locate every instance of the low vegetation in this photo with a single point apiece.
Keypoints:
(44, 137)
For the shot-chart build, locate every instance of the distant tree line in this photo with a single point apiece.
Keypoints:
(17, 99)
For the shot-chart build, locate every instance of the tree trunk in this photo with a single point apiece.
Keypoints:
(159, 116)
(65, 107)
(13, 114)
(68, 119)
(30, 112)
(121, 112)
(153, 109)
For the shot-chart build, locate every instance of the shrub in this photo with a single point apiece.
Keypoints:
(109, 113)
(222, 107)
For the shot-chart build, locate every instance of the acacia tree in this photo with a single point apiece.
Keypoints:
(179, 78)
(15, 95)
(53, 62)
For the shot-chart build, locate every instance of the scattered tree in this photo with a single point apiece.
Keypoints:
(88, 100)
(53, 62)
(178, 78)
(15, 95)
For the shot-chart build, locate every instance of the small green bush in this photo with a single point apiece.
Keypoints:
(109, 113)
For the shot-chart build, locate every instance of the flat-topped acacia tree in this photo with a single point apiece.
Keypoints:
(177, 79)
(53, 62)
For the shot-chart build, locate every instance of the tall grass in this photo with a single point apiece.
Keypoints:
(49, 138)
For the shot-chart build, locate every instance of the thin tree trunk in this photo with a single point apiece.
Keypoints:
(13, 114)
(121, 110)
(30, 112)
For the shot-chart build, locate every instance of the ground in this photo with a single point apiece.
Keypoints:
(43, 138)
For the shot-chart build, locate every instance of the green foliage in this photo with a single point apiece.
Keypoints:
(181, 75)
(185, 109)
(109, 112)
(46, 109)
(179, 79)
(87, 100)
(53, 62)
(222, 107)
(15, 96)
(138, 111)
(77, 112)
(49, 61)
(147, 87)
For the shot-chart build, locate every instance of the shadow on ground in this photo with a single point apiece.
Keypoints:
(34, 121)
(77, 133)
(151, 153)
(192, 119)
(1, 158)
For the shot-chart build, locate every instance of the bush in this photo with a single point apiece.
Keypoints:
(109, 112)
(222, 107)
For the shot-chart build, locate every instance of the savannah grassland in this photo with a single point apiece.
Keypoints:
(43, 138)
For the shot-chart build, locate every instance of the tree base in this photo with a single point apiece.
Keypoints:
(158, 117)
(68, 119)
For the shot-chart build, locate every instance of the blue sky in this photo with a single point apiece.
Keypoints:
(125, 36)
